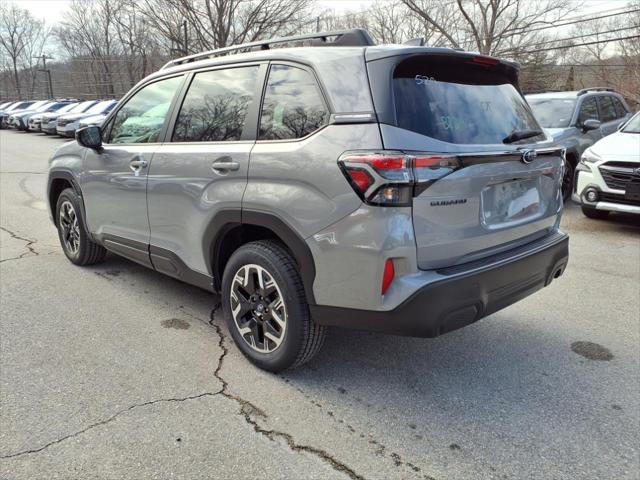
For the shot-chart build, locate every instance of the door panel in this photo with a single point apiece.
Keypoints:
(203, 169)
(115, 180)
(115, 191)
(185, 193)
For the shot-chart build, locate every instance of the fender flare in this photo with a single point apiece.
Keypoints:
(69, 177)
(226, 220)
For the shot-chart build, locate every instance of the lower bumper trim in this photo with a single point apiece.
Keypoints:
(458, 301)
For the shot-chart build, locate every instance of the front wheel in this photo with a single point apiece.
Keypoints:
(76, 244)
(265, 307)
(593, 213)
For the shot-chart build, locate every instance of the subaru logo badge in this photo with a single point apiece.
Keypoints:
(637, 171)
(529, 156)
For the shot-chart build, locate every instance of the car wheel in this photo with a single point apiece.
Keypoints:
(76, 244)
(265, 307)
(567, 181)
(593, 213)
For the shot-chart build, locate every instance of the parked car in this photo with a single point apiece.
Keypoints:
(29, 109)
(68, 123)
(49, 123)
(21, 120)
(4, 114)
(35, 121)
(309, 201)
(608, 175)
(578, 119)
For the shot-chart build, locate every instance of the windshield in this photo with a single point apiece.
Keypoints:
(633, 126)
(68, 108)
(82, 107)
(100, 106)
(43, 108)
(37, 105)
(456, 101)
(553, 112)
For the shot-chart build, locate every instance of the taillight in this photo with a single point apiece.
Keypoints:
(389, 178)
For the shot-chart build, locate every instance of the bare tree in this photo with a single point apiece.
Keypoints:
(22, 37)
(220, 23)
(492, 27)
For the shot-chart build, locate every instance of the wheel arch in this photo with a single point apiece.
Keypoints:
(58, 181)
(231, 229)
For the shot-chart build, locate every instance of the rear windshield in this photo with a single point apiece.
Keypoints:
(553, 112)
(457, 101)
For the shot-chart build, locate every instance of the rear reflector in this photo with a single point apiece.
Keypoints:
(388, 275)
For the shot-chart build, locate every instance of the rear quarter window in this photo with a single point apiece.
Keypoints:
(293, 106)
(607, 109)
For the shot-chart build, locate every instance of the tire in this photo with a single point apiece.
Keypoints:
(72, 232)
(270, 344)
(595, 214)
(567, 181)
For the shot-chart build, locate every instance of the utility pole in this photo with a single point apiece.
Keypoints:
(44, 58)
(184, 30)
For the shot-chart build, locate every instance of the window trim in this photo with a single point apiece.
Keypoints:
(250, 129)
(600, 98)
(128, 97)
(318, 85)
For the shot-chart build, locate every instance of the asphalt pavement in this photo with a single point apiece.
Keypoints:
(115, 371)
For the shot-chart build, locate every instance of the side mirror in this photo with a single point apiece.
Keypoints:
(90, 137)
(590, 124)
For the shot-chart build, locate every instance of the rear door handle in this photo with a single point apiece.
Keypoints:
(225, 164)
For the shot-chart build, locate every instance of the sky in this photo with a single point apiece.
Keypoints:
(53, 10)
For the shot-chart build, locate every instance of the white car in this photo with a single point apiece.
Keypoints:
(608, 175)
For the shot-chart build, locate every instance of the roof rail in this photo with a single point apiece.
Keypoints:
(595, 89)
(356, 37)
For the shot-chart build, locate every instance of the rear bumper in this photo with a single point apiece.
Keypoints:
(460, 298)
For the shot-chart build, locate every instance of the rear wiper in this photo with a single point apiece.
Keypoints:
(521, 135)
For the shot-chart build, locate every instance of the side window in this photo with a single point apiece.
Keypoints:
(215, 107)
(607, 109)
(140, 120)
(293, 106)
(588, 110)
(620, 110)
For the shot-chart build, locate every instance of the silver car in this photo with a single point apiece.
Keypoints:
(400, 189)
(578, 119)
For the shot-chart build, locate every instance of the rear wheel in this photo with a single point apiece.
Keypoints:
(593, 213)
(265, 307)
(76, 244)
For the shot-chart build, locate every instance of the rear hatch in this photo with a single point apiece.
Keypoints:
(495, 183)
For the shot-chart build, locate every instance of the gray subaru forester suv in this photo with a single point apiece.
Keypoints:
(399, 189)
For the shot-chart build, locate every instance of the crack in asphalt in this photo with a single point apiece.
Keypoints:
(248, 410)
(29, 245)
(108, 420)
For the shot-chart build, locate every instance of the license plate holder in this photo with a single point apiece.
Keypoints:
(510, 203)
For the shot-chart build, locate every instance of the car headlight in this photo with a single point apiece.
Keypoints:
(589, 156)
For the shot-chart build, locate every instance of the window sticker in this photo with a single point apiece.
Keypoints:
(422, 79)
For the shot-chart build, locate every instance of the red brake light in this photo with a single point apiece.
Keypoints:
(486, 60)
(387, 276)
